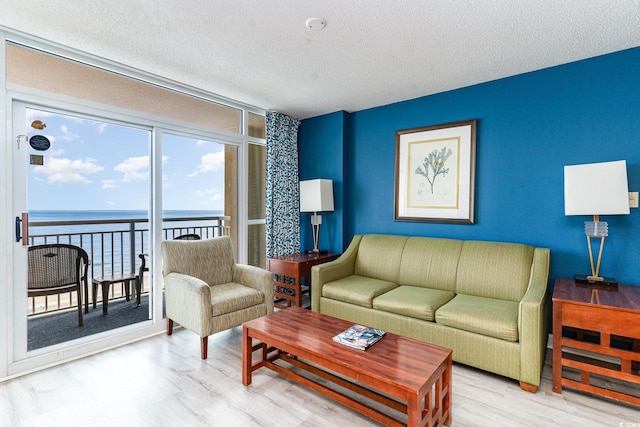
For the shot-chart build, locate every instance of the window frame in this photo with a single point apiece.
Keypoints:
(36, 97)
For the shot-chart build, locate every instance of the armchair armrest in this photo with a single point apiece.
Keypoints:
(533, 318)
(257, 278)
(328, 272)
(188, 302)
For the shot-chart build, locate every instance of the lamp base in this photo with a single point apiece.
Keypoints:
(316, 252)
(606, 282)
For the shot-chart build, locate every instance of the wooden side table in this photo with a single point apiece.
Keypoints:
(294, 267)
(596, 321)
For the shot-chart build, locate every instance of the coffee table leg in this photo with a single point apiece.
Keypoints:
(247, 344)
(447, 385)
(414, 416)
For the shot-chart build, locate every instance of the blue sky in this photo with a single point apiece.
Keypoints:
(94, 165)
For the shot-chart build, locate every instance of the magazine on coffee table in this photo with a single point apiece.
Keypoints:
(359, 336)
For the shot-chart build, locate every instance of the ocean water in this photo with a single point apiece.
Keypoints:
(113, 214)
(109, 243)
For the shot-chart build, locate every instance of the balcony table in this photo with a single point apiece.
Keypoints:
(106, 281)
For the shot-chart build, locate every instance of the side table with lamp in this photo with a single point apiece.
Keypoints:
(316, 195)
(596, 322)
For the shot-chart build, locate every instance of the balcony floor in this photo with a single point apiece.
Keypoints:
(46, 330)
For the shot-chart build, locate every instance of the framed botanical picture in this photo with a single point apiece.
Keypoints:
(435, 173)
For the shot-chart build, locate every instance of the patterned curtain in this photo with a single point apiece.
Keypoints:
(283, 198)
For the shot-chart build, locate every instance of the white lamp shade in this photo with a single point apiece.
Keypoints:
(596, 189)
(316, 195)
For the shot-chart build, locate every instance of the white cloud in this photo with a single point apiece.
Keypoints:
(62, 170)
(210, 194)
(134, 168)
(101, 127)
(67, 135)
(109, 183)
(210, 162)
(37, 115)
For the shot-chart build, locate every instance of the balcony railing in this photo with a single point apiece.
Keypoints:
(113, 246)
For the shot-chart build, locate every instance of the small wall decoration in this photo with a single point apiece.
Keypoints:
(39, 142)
(435, 173)
(38, 124)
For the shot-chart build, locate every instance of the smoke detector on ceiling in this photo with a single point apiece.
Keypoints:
(316, 24)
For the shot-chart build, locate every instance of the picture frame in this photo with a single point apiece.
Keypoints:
(435, 173)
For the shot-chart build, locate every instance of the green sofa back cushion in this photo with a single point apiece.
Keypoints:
(379, 256)
(430, 262)
(494, 269)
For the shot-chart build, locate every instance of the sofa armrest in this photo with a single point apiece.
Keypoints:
(533, 318)
(328, 272)
(187, 300)
(257, 278)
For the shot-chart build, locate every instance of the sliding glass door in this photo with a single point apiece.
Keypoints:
(84, 182)
(114, 165)
(115, 190)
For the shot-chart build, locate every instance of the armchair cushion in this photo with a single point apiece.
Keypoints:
(230, 297)
(208, 261)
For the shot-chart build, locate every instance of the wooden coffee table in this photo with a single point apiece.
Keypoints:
(407, 375)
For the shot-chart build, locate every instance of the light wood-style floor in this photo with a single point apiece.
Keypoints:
(162, 381)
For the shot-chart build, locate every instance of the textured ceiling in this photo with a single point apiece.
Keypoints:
(370, 53)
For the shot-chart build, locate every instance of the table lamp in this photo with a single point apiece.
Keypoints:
(596, 189)
(316, 195)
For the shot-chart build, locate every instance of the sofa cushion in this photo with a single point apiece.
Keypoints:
(356, 289)
(379, 256)
(487, 316)
(430, 262)
(494, 269)
(232, 297)
(413, 301)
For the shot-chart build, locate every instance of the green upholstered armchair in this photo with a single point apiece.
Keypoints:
(207, 292)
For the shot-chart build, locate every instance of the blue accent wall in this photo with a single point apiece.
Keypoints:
(529, 127)
(321, 149)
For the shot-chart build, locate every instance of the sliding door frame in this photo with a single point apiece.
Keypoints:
(20, 363)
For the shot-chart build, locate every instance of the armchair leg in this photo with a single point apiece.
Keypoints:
(204, 346)
(169, 326)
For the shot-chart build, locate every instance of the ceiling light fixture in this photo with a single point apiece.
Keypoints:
(316, 24)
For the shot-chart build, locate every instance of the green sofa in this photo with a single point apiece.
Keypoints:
(487, 301)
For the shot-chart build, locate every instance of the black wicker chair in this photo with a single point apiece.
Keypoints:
(58, 268)
(188, 237)
(143, 264)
